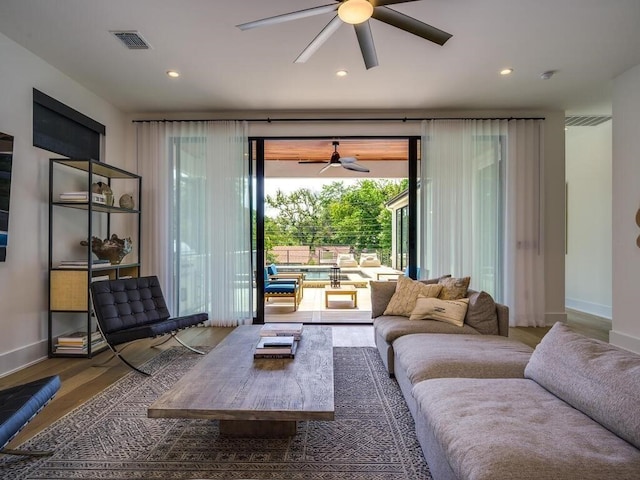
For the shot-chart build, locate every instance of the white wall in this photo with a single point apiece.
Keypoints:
(626, 202)
(23, 277)
(589, 257)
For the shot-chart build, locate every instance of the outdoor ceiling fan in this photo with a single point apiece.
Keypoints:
(356, 13)
(350, 163)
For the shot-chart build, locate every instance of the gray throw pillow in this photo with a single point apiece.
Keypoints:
(481, 313)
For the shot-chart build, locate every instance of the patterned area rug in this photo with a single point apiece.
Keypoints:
(110, 436)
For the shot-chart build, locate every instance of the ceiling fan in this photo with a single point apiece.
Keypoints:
(350, 163)
(357, 13)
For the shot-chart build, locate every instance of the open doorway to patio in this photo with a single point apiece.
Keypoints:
(312, 217)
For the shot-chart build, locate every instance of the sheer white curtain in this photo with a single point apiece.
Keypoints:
(472, 192)
(196, 217)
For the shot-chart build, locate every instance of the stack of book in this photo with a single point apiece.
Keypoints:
(83, 197)
(281, 330)
(83, 263)
(276, 347)
(78, 343)
(278, 340)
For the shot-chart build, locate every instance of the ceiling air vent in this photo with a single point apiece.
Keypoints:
(131, 39)
(585, 120)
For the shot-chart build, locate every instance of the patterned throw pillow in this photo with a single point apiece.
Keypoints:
(406, 294)
(449, 311)
(453, 288)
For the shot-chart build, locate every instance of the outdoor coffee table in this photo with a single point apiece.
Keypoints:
(256, 397)
(349, 290)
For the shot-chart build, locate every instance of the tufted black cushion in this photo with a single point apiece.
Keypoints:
(135, 308)
(21, 403)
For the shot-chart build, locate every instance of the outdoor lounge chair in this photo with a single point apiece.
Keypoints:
(275, 275)
(290, 288)
(369, 260)
(346, 260)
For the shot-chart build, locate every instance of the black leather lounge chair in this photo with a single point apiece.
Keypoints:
(134, 308)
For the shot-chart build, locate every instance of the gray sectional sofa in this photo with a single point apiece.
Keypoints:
(574, 416)
(487, 407)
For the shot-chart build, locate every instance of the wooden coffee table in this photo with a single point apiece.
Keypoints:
(263, 397)
(349, 290)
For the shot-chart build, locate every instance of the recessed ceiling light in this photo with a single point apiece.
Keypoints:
(342, 73)
(506, 71)
(173, 73)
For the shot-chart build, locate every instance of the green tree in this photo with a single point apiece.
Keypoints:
(337, 215)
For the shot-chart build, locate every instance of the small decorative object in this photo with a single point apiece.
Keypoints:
(113, 249)
(334, 276)
(104, 189)
(126, 201)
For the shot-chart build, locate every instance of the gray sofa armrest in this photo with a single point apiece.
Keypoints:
(503, 319)
(381, 293)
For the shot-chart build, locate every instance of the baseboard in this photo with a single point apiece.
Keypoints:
(550, 318)
(625, 341)
(22, 357)
(604, 311)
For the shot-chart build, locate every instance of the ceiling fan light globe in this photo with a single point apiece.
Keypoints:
(355, 11)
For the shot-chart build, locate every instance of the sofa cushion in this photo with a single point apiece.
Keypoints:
(427, 355)
(506, 429)
(597, 378)
(391, 327)
(482, 314)
(404, 298)
(449, 311)
(453, 288)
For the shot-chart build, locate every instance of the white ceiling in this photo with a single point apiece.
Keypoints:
(588, 42)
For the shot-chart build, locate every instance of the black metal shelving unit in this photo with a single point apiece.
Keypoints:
(69, 287)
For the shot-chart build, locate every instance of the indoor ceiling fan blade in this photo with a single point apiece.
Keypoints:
(382, 3)
(309, 12)
(365, 40)
(322, 37)
(355, 167)
(411, 25)
(312, 161)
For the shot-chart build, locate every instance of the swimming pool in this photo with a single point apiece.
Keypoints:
(323, 273)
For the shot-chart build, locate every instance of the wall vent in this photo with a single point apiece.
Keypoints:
(585, 120)
(131, 39)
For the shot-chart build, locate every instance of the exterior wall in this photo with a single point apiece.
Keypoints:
(626, 202)
(23, 277)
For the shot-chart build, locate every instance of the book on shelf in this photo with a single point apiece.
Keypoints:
(276, 352)
(282, 330)
(78, 342)
(79, 338)
(83, 263)
(83, 197)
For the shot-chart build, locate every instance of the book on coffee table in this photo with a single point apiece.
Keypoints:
(276, 347)
(282, 330)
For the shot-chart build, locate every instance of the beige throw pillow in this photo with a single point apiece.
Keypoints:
(406, 294)
(453, 288)
(449, 311)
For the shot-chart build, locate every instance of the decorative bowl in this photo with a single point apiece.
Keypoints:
(113, 249)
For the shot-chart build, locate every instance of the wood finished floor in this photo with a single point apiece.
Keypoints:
(84, 378)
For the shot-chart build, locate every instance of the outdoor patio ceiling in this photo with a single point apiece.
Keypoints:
(385, 157)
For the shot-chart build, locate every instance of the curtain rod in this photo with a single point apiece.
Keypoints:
(391, 119)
